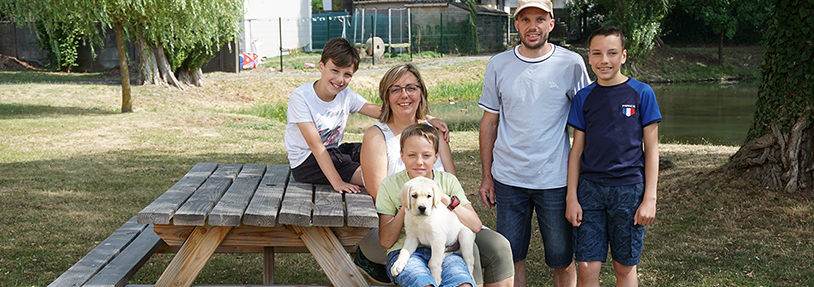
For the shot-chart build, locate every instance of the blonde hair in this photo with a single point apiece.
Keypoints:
(425, 131)
(390, 78)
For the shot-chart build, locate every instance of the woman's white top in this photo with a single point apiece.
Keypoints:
(394, 163)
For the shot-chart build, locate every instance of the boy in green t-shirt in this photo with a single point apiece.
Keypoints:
(419, 150)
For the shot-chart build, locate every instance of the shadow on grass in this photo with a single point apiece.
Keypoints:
(28, 77)
(16, 111)
(56, 210)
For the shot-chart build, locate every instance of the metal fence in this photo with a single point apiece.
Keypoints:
(402, 31)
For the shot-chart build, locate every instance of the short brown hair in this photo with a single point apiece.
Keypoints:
(420, 130)
(607, 31)
(341, 53)
(391, 77)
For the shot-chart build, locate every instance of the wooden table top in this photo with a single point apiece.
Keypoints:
(255, 195)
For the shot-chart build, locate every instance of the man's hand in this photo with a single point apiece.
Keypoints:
(346, 187)
(487, 192)
(441, 126)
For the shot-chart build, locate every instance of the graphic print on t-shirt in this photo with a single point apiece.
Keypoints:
(628, 110)
(330, 126)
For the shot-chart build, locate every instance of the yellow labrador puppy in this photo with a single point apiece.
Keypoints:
(430, 223)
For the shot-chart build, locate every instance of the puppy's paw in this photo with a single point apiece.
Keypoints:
(436, 274)
(437, 279)
(398, 266)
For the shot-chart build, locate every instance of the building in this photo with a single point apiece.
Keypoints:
(268, 22)
(436, 25)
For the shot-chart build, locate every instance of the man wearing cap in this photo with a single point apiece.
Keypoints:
(524, 144)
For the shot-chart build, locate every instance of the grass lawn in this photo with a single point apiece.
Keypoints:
(73, 169)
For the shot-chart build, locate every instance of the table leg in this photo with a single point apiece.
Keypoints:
(190, 260)
(268, 265)
(331, 256)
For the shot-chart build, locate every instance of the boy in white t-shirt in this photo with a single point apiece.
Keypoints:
(317, 114)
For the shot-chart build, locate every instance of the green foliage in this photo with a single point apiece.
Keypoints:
(193, 28)
(316, 6)
(788, 84)
(205, 26)
(640, 20)
(61, 48)
(724, 16)
(473, 6)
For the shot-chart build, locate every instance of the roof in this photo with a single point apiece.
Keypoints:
(479, 9)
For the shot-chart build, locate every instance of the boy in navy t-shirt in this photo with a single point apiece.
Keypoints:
(612, 177)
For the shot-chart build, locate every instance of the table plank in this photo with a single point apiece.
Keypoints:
(125, 265)
(328, 207)
(245, 235)
(163, 208)
(297, 204)
(361, 210)
(97, 258)
(227, 171)
(262, 210)
(195, 210)
(229, 210)
(202, 169)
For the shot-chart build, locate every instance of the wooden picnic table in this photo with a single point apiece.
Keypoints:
(254, 208)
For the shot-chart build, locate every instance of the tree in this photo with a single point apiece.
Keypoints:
(209, 25)
(724, 16)
(639, 19)
(196, 28)
(779, 149)
(316, 5)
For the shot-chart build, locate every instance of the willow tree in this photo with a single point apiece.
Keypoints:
(779, 147)
(177, 37)
(195, 27)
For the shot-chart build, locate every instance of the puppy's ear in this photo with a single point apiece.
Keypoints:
(436, 195)
(404, 196)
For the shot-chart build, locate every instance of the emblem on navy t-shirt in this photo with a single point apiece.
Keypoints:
(628, 110)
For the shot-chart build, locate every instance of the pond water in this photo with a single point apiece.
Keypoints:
(692, 113)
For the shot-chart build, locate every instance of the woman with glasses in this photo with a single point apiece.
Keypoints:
(404, 102)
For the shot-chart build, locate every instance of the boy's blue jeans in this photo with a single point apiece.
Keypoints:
(607, 219)
(417, 273)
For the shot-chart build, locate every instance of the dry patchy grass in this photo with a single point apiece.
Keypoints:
(72, 170)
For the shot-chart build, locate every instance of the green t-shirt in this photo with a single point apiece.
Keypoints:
(387, 201)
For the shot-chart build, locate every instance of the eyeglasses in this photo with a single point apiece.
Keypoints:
(411, 89)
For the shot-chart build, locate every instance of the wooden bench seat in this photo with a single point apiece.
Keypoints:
(233, 208)
(115, 259)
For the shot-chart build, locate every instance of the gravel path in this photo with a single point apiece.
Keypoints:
(423, 64)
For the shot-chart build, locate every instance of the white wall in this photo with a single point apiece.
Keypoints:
(262, 24)
(557, 3)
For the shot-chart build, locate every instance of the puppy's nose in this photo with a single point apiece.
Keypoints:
(421, 209)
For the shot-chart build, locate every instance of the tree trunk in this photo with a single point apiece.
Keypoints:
(184, 76)
(197, 78)
(721, 50)
(127, 103)
(189, 77)
(148, 66)
(781, 161)
(167, 74)
(780, 146)
(659, 42)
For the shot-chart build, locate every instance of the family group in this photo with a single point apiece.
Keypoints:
(591, 193)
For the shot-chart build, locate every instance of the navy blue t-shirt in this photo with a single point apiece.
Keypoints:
(612, 118)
